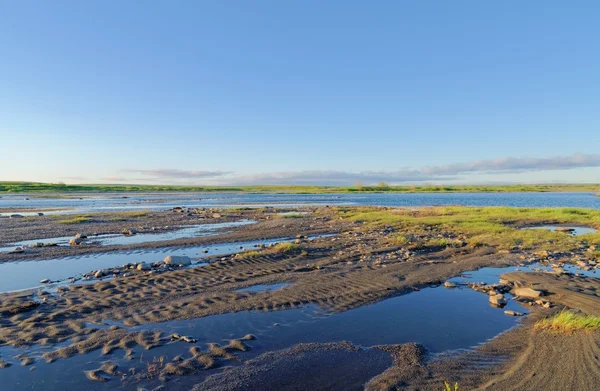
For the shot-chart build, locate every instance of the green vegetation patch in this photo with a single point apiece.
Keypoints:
(499, 226)
(76, 220)
(568, 321)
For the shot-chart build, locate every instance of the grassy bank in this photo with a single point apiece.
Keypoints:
(494, 226)
(31, 187)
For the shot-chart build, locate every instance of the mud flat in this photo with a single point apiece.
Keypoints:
(378, 283)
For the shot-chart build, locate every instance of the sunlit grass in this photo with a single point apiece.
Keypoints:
(286, 248)
(568, 321)
(76, 220)
(448, 387)
(498, 226)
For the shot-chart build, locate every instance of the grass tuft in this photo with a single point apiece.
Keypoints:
(568, 322)
(286, 248)
(76, 220)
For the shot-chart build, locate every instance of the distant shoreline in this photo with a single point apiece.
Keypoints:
(30, 187)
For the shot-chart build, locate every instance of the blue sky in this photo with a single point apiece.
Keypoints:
(219, 92)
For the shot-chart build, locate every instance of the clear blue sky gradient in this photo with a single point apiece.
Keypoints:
(90, 90)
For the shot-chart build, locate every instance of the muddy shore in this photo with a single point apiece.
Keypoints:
(360, 265)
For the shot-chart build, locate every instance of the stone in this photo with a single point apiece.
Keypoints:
(75, 242)
(216, 215)
(565, 229)
(99, 274)
(129, 231)
(40, 214)
(449, 284)
(178, 260)
(15, 216)
(144, 266)
(81, 236)
(18, 250)
(45, 281)
(498, 300)
(513, 313)
(581, 264)
(527, 292)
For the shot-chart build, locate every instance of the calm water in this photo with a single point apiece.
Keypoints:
(189, 231)
(20, 275)
(104, 202)
(576, 230)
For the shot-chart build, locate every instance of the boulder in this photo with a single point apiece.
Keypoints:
(498, 300)
(178, 260)
(526, 292)
(75, 242)
(513, 313)
(449, 284)
(144, 266)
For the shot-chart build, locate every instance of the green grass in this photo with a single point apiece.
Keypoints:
(249, 254)
(568, 321)
(286, 248)
(293, 216)
(497, 226)
(448, 387)
(34, 187)
(76, 220)
(402, 240)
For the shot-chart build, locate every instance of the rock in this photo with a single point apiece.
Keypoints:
(565, 229)
(16, 216)
(144, 266)
(216, 215)
(449, 284)
(80, 236)
(513, 313)
(18, 250)
(40, 214)
(178, 260)
(99, 274)
(45, 281)
(75, 242)
(527, 292)
(498, 300)
(129, 231)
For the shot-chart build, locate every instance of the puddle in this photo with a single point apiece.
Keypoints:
(264, 287)
(21, 275)
(576, 231)
(119, 239)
